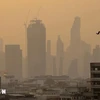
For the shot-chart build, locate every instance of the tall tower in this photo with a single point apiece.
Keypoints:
(96, 54)
(75, 31)
(13, 60)
(36, 48)
(59, 55)
(1, 45)
(48, 58)
(54, 65)
(2, 56)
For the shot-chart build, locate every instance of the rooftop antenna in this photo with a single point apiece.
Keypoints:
(26, 25)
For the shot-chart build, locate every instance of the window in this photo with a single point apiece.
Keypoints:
(96, 68)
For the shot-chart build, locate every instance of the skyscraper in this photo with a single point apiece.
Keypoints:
(86, 69)
(13, 60)
(77, 47)
(36, 48)
(48, 58)
(96, 54)
(75, 32)
(1, 45)
(54, 65)
(59, 55)
(2, 56)
(73, 69)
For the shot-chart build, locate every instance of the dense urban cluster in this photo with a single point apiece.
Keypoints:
(71, 74)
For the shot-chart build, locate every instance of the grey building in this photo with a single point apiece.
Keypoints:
(96, 54)
(48, 59)
(13, 60)
(2, 56)
(95, 80)
(36, 48)
(59, 56)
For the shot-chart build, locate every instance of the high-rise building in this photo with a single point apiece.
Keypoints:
(95, 80)
(2, 56)
(1, 45)
(75, 32)
(86, 69)
(96, 54)
(61, 66)
(73, 69)
(36, 48)
(54, 65)
(48, 59)
(77, 47)
(13, 61)
(59, 56)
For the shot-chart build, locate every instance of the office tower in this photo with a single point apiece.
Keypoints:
(86, 69)
(96, 54)
(0, 82)
(1, 45)
(75, 32)
(25, 69)
(2, 56)
(49, 47)
(61, 66)
(59, 55)
(36, 48)
(95, 80)
(54, 65)
(73, 69)
(77, 47)
(48, 59)
(13, 60)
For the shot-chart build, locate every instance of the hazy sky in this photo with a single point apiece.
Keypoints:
(58, 16)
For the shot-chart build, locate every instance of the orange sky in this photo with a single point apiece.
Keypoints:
(58, 16)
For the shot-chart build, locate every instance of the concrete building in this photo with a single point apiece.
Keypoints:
(36, 48)
(48, 59)
(2, 56)
(95, 80)
(54, 65)
(13, 60)
(59, 56)
(87, 60)
(96, 54)
(77, 47)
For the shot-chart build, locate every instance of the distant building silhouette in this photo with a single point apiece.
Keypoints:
(54, 66)
(61, 66)
(59, 56)
(87, 60)
(96, 54)
(2, 56)
(25, 69)
(73, 69)
(75, 32)
(48, 58)
(13, 59)
(1, 45)
(77, 47)
(36, 48)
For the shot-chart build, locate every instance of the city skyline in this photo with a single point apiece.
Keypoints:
(71, 53)
(58, 21)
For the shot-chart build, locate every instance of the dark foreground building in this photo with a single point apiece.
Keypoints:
(95, 80)
(36, 48)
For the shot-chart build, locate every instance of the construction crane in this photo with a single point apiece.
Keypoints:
(25, 24)
(38, 13)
